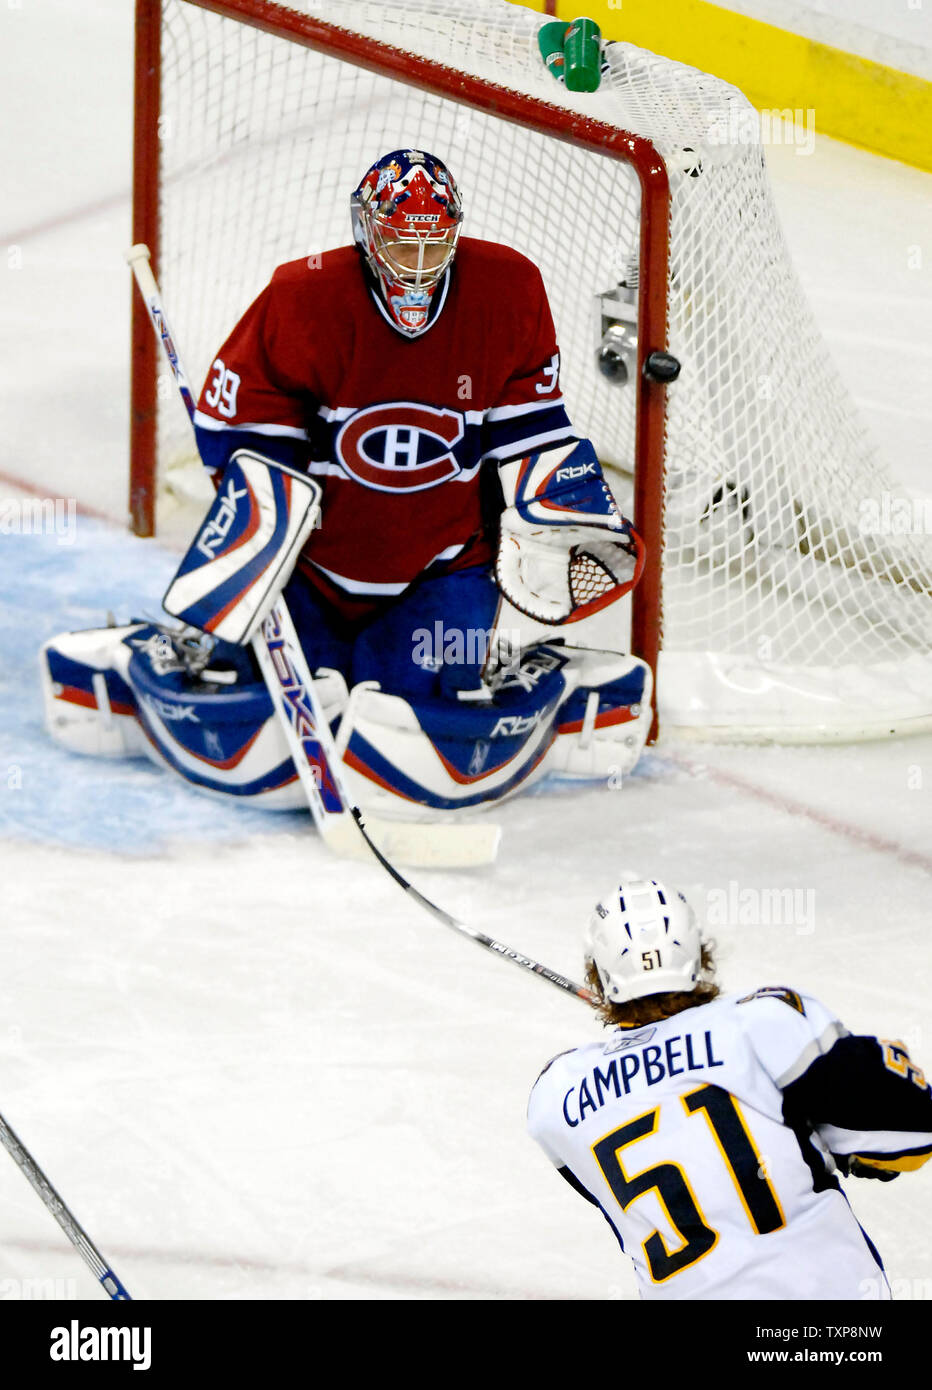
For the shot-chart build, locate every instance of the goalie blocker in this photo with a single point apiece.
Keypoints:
(194, 700)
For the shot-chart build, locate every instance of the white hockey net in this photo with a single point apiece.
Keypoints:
(783, 615)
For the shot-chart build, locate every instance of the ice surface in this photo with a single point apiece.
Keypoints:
(256, 1073)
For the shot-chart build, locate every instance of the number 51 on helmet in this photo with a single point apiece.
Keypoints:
(643, 938)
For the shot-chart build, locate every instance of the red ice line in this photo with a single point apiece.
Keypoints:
(37, 490)
(62, 219)
(914, 858)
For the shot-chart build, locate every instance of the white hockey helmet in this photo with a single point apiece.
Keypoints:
(643, 938)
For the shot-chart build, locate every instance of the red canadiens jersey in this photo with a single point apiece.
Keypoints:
(396, 429)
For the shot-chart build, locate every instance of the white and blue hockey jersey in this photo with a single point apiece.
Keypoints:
(707, 1140)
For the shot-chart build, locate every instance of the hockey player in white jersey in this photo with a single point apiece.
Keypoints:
(711, 1129)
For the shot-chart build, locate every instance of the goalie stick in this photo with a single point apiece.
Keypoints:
(284, 668)
(71, 1227)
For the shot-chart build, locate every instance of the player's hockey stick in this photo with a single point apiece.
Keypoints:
(75, 1232)
(314, 756)
(291, 687)
(489, 942)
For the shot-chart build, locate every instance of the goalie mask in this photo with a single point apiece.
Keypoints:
(406, 221)
(643, 939)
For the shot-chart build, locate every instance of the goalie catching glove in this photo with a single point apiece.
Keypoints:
(565, 550)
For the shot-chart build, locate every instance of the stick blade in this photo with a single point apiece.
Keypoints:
(416, 845)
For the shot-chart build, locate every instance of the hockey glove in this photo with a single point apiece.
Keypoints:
(853, 1167)
(246, 548)
(564, 550)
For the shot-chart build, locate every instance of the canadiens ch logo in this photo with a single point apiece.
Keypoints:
(400, 446)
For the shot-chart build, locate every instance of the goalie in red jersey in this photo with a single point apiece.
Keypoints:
(415, 377)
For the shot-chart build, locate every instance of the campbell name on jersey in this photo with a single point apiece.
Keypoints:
(396, 429)
(706, 1139)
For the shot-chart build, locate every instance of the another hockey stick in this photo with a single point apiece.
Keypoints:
(284, 669)
(75, 1232)
(291, 686)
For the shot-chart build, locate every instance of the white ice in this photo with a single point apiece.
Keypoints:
(256, 1073)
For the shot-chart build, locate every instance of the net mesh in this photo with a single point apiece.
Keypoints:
(589, 579)
(769, 557)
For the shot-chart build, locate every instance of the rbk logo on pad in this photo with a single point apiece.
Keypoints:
(401, 446)
(219, 523)
(582, 470)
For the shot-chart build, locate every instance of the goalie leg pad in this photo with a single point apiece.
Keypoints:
(219, 730)
(604, 722)
(220, 736)
(197, 708)
(88, 705)
(423, 757)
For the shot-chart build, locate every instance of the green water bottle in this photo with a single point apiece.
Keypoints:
(550, 42)
(582, 52)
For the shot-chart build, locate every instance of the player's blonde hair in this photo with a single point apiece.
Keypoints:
(637, 1013)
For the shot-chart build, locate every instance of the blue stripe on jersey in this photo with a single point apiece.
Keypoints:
(527, 433)
(216, 447)
(501, 439)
